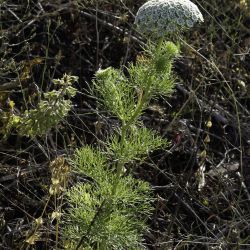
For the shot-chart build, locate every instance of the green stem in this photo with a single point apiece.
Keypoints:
(125, 126)
(120, 163)
(159, 44)
(146, 93)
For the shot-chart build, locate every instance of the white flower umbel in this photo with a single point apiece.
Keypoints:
(158, 18)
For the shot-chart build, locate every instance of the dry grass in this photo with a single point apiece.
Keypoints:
(201, 184)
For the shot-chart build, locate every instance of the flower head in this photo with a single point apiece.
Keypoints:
(161, 17)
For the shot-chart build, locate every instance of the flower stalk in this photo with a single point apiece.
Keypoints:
(110, 210)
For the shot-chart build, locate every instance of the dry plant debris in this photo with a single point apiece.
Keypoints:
(201, 183)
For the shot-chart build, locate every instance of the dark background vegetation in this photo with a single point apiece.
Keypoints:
(41, 40)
